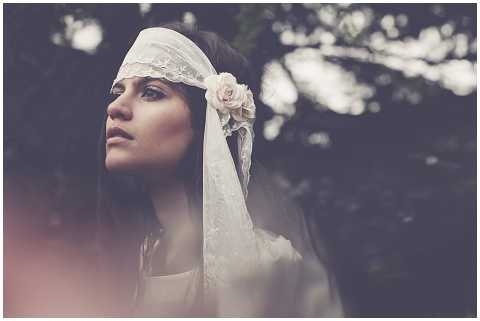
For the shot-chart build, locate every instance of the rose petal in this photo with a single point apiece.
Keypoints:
(227, 78)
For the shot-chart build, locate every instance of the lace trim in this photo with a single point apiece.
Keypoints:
(145, 69)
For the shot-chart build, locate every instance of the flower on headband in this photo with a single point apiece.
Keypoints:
(228, 97)
(247, 111)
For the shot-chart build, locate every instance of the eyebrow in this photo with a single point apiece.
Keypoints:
(140, 82)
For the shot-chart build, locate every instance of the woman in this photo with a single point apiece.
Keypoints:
(182, 231)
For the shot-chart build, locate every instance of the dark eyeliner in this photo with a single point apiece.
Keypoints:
(158, 94)
(112, 95)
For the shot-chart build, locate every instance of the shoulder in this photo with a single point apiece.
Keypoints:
(275, 248)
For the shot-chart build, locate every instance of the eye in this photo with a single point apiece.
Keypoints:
(152, 93)
(112, 95)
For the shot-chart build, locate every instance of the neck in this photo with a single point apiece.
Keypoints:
(171, 204)
(182, 239)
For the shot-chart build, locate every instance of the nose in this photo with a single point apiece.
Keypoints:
(119, 109)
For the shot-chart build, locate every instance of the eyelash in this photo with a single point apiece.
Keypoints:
(155, 94)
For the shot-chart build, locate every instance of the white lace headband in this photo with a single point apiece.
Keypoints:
(229, 248)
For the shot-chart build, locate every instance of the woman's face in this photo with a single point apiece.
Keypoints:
(148, 128)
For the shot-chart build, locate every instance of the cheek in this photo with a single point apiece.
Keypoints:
(167, 137)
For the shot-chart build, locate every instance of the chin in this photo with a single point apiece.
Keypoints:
(135, 166)
(119, 164)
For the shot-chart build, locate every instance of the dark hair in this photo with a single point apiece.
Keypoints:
(124, 221)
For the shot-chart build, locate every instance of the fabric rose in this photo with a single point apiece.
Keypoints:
(223, 92)
(228, 97)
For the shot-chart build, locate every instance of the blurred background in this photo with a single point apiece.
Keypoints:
(369, 123)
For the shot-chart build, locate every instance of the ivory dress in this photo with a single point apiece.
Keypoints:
(286, 286)
(168, 296)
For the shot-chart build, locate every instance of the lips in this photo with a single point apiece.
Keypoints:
(118, 132)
